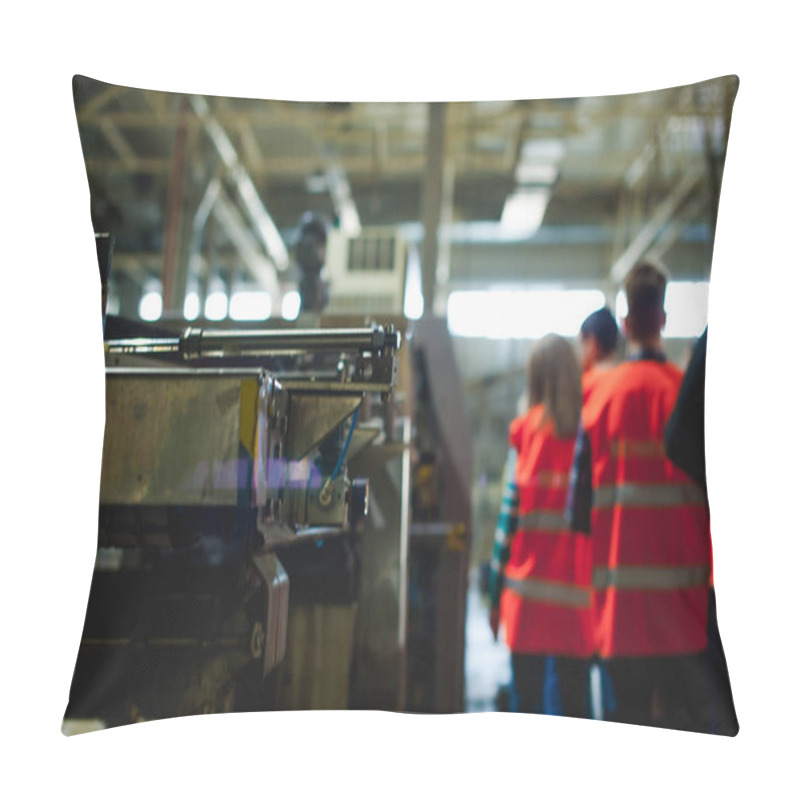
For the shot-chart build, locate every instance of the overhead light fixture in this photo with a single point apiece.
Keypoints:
(523, 211)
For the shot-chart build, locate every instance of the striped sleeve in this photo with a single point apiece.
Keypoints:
(506, 528)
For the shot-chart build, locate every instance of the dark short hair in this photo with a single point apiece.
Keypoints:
(645, 289)
(603, 327)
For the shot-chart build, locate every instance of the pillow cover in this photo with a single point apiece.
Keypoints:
(290, 516)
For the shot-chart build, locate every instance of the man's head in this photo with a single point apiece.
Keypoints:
(645, 289)
(598, 338)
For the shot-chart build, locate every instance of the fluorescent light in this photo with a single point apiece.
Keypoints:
(543, 149)
(541, 174)
(151, 304)
(250, 306)
(524, 210)
(216, 305)
(191, 306)
(686, 306)
(290, 306)
(523, 314)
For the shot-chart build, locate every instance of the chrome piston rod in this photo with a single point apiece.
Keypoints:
(196, 343)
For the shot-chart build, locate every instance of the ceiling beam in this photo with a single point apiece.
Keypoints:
(674, 229)
(89, 109)
(413, 165)
(515, 141)
(158, 102)
(358, 122)
(342, 199)
(204, 209)
(260, 267)
(119, 143)
(252, 152)
(663, 215)
(245, 187)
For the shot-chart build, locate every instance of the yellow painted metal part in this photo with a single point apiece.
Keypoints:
(248, 415)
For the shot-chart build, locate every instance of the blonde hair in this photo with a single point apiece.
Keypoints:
(554, 380)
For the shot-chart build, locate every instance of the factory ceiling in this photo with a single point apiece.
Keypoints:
(607, 168)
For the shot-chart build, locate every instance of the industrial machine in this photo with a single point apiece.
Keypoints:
(229, 519)
(285, 514)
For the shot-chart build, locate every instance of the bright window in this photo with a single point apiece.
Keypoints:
(522, 314)
(216, 305)
(290, 305)
(151, 304)
(686, 305)
(250, 306)
(191, 306)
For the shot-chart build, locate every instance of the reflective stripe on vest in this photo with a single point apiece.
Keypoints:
(547, 479)
(631, 448)
(648, 495)
(548, 592)
(651, 578)
(552, 521)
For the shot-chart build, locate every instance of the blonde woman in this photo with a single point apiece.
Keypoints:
(541, 571)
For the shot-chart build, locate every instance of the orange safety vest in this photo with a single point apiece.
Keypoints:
(650, 523)
(591, 378)
(546, 602)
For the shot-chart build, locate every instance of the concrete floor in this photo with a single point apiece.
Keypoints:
(487, 664)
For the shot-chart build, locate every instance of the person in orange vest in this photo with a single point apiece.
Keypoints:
(540, 582)
(649, 530)
(597, 339)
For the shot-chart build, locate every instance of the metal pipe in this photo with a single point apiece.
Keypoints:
(198, 343)
(142, 347)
